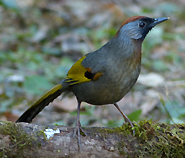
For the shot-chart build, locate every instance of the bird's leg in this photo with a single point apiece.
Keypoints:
(78, 127)
(125, 117)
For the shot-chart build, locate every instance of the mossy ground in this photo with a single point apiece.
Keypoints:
(18, 139)
(157, 140)
(150, 140)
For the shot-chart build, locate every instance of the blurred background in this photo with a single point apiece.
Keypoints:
(41, 39)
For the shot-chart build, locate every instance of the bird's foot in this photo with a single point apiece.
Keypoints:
(131, 124)
(78, 131)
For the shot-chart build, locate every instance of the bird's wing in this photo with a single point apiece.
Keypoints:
(80, 74)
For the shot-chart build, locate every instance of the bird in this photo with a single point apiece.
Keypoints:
(103, 76)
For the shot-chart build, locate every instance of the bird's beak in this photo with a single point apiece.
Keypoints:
(158, 21)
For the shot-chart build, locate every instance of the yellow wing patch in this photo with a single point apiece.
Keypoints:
(79, 74)
(76, 73)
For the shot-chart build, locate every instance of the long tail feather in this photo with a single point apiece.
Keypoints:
(38, 106)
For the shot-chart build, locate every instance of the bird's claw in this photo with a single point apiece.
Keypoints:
(131, 124)
(77, 134)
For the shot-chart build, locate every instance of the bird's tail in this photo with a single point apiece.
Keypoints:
(37, 107)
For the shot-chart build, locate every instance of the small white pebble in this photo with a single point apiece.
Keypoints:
(112, 148)
(50, 132)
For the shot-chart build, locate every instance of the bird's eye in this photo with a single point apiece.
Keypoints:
(142, 24)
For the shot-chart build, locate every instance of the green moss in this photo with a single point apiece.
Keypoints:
(41, 133)
(19, 139)
(155, 140)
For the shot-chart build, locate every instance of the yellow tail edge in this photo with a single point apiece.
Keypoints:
(47, 94)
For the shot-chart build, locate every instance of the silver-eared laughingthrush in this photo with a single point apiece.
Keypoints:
(106, 75)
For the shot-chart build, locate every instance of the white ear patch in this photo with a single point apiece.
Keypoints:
(134, 34)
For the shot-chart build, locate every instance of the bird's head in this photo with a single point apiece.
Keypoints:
(137, 27)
